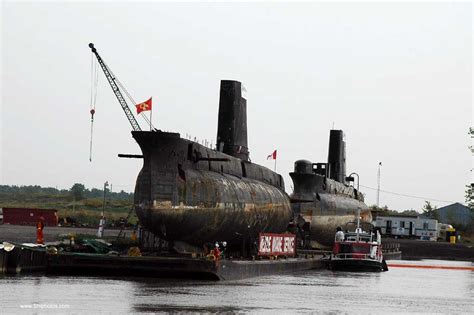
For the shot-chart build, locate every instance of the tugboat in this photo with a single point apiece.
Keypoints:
(358, 249)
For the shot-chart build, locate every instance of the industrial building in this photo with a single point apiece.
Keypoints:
(455, 214)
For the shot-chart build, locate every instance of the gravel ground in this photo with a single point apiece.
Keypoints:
(27, 234)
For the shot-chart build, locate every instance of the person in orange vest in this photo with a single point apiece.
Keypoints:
(39, 231)
(134, 235)
(217, 254)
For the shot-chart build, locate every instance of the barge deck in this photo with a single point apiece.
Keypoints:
(175, 267)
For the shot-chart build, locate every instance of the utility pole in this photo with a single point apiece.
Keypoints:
(378, 185)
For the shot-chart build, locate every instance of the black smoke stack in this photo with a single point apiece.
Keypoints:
(337, 156)
(232, 123)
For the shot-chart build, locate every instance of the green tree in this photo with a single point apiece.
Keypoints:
(430, 211)
(77, 191)
(410, 212)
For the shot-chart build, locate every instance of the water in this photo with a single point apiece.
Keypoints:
(400, 290)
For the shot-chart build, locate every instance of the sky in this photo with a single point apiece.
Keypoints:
(395, 77)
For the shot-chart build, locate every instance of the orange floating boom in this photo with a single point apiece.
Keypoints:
(432, 267)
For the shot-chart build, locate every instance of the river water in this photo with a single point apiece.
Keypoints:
(400, 290)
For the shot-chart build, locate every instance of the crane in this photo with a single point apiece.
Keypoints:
(115, 88)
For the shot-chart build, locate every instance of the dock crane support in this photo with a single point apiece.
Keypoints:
(118, 94)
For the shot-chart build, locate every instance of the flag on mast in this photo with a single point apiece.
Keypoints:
(143, 106)
(272, 156)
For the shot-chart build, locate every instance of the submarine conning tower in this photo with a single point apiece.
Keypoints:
(337, 156)
(232, 121)
(310, 180)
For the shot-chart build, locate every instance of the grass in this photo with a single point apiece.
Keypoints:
(87, 210)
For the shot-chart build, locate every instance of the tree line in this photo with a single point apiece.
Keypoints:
(78, 192)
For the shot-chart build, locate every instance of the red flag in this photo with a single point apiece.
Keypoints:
(143, 106)
(272, 156)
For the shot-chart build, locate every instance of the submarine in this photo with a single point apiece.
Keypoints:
(189, 194)
(322, 198)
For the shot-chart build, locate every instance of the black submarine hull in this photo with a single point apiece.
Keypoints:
(182, 197)
(189, 193)
(326, 214)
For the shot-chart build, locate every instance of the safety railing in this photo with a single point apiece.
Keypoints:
(355, 256)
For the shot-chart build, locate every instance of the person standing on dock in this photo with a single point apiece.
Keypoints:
(39, 231)
(339, 234)
(100, 232)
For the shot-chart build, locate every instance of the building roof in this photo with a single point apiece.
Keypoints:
(405, 217)
(398, 216)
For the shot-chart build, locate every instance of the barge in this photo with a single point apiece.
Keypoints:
(176, 266)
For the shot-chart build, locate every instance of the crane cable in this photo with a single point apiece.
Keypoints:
(93, 96)
(94, 83)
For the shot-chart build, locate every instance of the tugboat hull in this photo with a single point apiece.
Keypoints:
(356, 265)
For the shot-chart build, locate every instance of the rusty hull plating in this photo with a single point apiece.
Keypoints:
(190, 193)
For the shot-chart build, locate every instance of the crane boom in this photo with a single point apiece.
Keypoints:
(115, 88)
